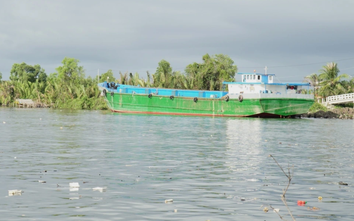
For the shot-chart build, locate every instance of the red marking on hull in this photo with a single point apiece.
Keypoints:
(180, 114)
(260, 115)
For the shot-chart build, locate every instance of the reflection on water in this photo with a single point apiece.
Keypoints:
(212, 168)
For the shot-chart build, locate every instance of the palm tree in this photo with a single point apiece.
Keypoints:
(331, 81)
(314, 81)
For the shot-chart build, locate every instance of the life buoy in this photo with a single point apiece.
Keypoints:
(172, 97)
(150, 95)
(195, 99)
(240, 98)
(227, 98)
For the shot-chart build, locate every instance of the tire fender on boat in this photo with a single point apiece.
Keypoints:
(195, 99)
(227, 98)
(150, 95)
(172, 97)
(112, 93)
(240, 98)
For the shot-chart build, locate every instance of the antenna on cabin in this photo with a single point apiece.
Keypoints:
(265, 70)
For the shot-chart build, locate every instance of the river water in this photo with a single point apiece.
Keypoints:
(212, 168)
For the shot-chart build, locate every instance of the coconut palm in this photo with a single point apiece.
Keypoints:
(331, 81)
(314, 81)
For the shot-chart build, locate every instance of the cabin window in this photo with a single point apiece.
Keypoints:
(270, 78)
(254, 77)
(259, 77)
(248, 77)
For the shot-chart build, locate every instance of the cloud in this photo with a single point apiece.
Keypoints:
(135, 35)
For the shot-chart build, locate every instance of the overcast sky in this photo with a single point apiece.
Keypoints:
(292, 38)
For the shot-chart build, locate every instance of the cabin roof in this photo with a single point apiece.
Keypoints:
(285, 83)
(252, 73)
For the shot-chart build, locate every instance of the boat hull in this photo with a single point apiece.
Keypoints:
(164, 105)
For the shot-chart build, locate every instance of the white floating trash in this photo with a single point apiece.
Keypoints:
(100, 189)
(15, 192)
(169, 201)
(42, 181)
(74, 185)
(74, 189)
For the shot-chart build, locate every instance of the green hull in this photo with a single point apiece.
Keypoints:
(263, 107)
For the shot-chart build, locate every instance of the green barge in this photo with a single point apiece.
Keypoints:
(255, 96)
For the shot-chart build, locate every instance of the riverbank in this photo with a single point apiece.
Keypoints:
(339, 113)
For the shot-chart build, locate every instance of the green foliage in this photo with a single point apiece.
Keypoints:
(24, 72)
(317, 107)
(70, 71)
(108, 75)
(162, 76)
(210, 74)
(68, 87)
(0, 76)
(314, 81)
(331, 82)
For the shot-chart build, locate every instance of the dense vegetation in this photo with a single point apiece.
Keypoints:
(69, 88)
(329, 82)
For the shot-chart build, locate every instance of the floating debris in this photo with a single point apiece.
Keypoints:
(42, 181)
(301, 203)
(313, 208)
(15, 192)
(175, 210)
(74, 185)
(320, 198)
(74, 198)
(73, 189)
(100, 189)
(169, 201)
(276, 210)
(61, 128)
(4, 122)
(265, 209)
(243, 199)
(342, 183)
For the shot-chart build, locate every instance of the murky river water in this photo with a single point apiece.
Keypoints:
(212, 168)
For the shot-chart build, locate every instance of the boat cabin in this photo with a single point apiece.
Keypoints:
(253, 83)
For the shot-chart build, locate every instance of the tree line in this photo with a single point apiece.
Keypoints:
(69, 88)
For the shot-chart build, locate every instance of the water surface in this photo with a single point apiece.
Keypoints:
(212, 168)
